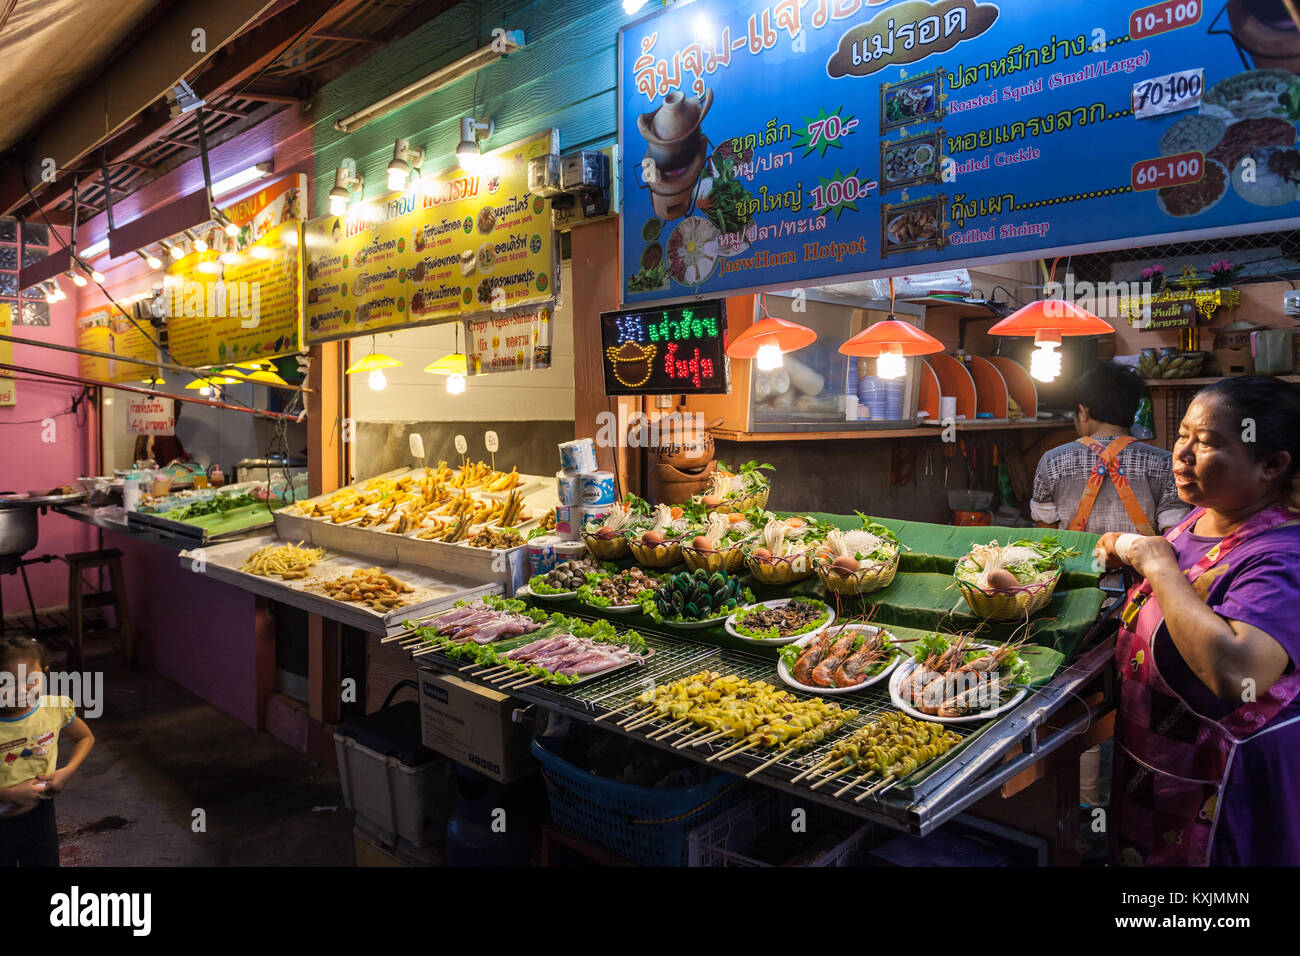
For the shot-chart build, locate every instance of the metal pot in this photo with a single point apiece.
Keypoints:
(18, 531)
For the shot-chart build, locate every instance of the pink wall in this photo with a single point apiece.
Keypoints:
(31, 462)
(205, 635)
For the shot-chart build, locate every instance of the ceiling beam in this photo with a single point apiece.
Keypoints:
(99, 108)
(237, 62)
(343, 36)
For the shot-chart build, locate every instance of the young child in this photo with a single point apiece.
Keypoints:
(30, 724)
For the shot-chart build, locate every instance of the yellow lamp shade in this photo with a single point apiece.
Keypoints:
(265, 376)
(373, 362)
(453, 364)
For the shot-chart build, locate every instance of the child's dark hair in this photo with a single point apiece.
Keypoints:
(1273, 406)
(14, 649)
(1111, 393)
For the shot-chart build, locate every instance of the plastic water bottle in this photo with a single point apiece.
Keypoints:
(1143, 426)
(131, 491)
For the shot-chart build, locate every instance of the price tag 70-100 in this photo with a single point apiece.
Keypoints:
(1161, 95)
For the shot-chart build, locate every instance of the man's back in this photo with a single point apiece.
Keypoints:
(1062, 477)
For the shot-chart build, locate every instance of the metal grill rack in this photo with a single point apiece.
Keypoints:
(982, 762)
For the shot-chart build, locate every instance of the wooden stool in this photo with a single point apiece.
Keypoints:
(80, 599)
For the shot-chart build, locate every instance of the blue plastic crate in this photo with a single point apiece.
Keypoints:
(645, 825)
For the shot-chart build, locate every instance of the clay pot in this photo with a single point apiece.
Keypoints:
(683, 448)
(669, 485)
(1266, 30)
(672, 130)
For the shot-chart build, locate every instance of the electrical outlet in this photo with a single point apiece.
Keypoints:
(1291, 303)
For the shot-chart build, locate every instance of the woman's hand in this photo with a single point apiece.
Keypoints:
(1151, 556)
(1147, 555)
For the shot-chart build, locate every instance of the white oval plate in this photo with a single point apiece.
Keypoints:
(526, 591)
(901, 674)
(614, 608)
(694, 625)
(784, 672)
(778, 602)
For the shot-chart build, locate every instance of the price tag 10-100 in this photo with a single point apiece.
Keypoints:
(462, 446)
(492, 443)
(1172, 93)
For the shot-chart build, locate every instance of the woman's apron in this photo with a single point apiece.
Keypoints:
(1172, 764)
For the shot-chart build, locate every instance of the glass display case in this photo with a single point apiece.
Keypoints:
(819, 389)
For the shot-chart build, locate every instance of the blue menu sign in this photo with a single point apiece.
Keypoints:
(768, 145)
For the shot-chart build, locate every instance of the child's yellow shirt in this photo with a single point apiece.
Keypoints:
(29, 743)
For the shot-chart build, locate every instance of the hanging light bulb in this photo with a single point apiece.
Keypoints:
(1045, 361)
(231, 229)
(77, 278)
(51, 293)
(769, 339)
(97, 276)
(891, 363)
(150, 259)
(378, 381)
(1047, 320)
(455, 384)
(769, 357)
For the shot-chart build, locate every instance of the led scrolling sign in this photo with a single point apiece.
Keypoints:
(666, 351)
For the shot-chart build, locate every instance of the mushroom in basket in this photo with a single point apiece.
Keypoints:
(719, 546)
(1015, 581)
(859, 561)
(739, 491)
(786, 550)
(607, 539)
(660, 546)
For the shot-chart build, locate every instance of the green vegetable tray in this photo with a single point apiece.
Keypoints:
(212, 527)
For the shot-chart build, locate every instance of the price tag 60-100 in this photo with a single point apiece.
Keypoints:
(1172, 93)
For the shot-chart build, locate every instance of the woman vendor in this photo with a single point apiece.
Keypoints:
(1207, 757)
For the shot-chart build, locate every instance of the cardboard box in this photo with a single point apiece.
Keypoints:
(472, 725)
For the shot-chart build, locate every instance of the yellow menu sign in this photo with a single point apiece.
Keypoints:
(106, 329)
(454, 245)
(238, 301)
(8, 393)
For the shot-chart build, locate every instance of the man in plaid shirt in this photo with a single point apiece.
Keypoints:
(1103, 482)
(1075, 486)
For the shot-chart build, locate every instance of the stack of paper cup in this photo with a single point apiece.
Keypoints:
(578, 456)
(596, 488)
(566, 488)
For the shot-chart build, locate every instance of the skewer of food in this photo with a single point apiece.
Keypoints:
(784, 552)
(858, 561)
(839, 659)
(741, 490)
(889, 746)
(1015, 581)
(955, 678)
(746, 714)
(780, 621)
(482, 621)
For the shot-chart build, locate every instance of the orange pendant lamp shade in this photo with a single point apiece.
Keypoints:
(1052, 316)
(891, 336)
(786, 336)
(1047, 320)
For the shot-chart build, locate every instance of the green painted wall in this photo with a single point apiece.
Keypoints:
(565, 77)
